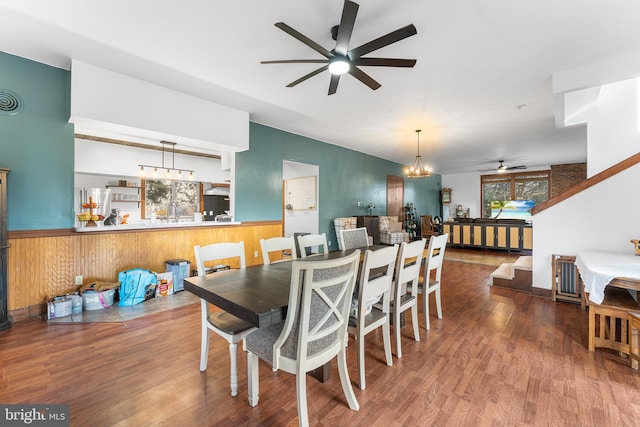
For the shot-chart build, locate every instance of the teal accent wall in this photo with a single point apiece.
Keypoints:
(345, 178)
(37, 145)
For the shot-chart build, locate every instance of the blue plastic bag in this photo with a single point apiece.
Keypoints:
(134, 285)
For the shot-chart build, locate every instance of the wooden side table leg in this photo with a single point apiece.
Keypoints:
(592, 328)
(634, 339)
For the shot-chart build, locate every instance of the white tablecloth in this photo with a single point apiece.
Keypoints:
(597, 269)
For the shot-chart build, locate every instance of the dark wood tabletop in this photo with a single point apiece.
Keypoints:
(258, 295)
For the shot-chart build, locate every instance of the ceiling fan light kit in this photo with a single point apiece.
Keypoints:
(341, 60)
(338, 66)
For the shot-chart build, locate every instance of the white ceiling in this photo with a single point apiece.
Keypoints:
(477, 60)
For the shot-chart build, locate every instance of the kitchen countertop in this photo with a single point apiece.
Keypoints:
(149, 226)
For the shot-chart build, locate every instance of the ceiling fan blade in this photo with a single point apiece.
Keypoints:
(380, 42)
(364, 77)
(348, 20)
(516, 167)
(333, 84)
(307, 76)
(296, 61)
(304, 39)
(384, 62)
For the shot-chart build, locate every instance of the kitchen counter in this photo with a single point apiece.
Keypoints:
(149, 226)
(101, 252)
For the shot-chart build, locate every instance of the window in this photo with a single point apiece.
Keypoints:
(514, 186)
(159, 194)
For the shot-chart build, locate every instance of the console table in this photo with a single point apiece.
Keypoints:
(489, 233)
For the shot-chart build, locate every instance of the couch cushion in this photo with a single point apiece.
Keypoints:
(395, 226)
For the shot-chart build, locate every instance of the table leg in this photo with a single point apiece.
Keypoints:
(322, 374)
(592, 328)
(402, 320)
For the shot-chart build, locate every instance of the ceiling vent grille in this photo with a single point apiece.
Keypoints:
(10, 103)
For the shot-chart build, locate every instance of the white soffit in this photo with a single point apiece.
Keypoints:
(577, 89)
(112, 105)
(578, 103)
(597, 73)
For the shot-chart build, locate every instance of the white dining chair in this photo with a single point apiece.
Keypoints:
(310, 241)
(285, 246)
(354, 238)
(405, 288)
(376, 279)
(229, 327)
(342, 224)
(433, 267)
(314, 330)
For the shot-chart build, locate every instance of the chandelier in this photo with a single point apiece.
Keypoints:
(169, 172)
(417, 170)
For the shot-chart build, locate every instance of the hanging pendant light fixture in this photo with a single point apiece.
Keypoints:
(417, 170)
(170, 172)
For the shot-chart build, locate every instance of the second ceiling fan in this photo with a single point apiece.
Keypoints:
(341, 59)
(502, 168)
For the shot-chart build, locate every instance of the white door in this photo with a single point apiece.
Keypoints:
(299, 221)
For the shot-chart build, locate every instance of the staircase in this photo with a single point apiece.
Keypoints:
(516, 275)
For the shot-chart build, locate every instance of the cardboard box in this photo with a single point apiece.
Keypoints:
(164, 286)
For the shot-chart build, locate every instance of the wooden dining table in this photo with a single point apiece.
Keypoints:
(258, 294)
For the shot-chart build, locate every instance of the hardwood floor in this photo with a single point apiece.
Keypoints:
(499, 358)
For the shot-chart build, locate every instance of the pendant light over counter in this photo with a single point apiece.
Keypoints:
(166, 172)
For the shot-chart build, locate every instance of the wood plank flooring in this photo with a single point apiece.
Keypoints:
(498, 358)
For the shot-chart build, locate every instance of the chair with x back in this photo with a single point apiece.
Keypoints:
(285, 246)
(405, 288)
(354, 238)
(375, 284)
(229, 327)
(310, 241)
(314, 330)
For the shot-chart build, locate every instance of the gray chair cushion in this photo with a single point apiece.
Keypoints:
(260, 342)
(356, 238)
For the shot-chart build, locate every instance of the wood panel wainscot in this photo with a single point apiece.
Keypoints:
(45, 263)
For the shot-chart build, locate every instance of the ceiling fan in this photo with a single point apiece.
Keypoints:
(341, 59)
(502, 168)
